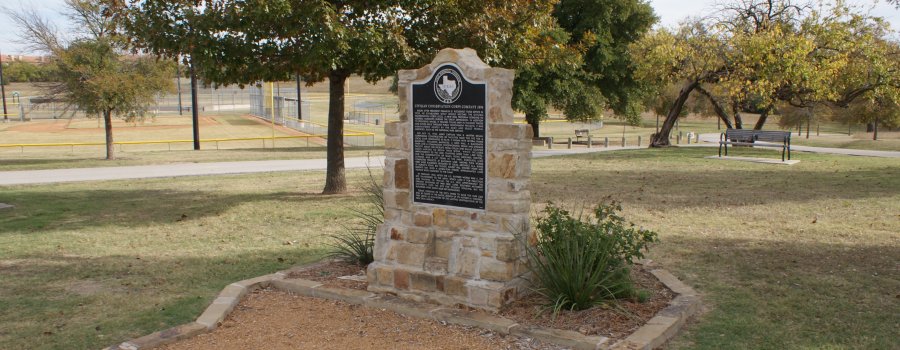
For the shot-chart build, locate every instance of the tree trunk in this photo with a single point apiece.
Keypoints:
(723, 116)
(335, 181)
(808, 125)
(110, 146)
(535, 124)
(736, 110)
(762, 118)
(661, 139)
(875, 129)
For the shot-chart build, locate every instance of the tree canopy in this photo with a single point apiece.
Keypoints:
(755, 55)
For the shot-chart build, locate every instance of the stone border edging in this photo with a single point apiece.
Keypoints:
(658, 330)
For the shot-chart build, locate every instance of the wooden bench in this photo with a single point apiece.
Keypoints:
(740, 137)
(579, 133)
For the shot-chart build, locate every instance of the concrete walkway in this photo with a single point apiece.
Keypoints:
(712, 140)
(26, 177)
(173, 170)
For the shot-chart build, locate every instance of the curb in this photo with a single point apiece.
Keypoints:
(658, 330)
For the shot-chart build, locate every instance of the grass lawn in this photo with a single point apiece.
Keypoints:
(787, 257)
(86, 265)
(794, 257)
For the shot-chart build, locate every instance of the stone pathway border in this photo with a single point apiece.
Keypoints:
(654, 334)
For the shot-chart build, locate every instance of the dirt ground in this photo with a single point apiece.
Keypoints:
(269, 319)
(277, 320)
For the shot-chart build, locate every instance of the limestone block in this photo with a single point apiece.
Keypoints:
(442, 247)
(502, 165)
(401, 174)
(436, 265)
(392, 128)
(464, 262)
(506, 131)
(507, 249)
(496, 270)
(397, 233)
(406, 76)
(419, 235)
(422, 220)
(401, 198)
(401, 279)
(409, 253)
(393, 142)
(423, 281)
(455, 286)
(439, 217)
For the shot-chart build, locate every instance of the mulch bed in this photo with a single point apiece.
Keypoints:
(615, 320)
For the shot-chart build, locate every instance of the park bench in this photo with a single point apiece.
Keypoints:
(579, 133)
(740, 137)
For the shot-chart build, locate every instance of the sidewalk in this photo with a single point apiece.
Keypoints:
(27, 177)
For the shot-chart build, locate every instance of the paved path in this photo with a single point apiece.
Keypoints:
(198, 169)
(26, 177)
(712, 140)
(172, 170)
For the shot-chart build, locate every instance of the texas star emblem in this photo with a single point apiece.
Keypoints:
(447, 85)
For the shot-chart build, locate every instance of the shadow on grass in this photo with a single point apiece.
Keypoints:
(38, 210)
(791, 295)
(51, 301)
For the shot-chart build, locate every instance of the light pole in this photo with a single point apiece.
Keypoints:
(3, 89)
(178, 79)
(299, 101)
(195, 117)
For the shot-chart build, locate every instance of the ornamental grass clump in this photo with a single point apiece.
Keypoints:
(580, 262)
(356, 243)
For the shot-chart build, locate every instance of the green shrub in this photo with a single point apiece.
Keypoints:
(355, 243)
(579, 262)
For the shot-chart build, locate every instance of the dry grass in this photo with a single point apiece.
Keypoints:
(792, 257)
(85, 265)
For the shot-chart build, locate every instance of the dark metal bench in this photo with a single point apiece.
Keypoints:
(740, 137)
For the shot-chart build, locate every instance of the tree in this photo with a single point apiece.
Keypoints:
(93, 77)
(607, 29)
(758, 53)
(589, 67)
(242, 42)
(96, 80)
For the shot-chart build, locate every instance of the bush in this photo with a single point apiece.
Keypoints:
(577, 263)
(356, 243)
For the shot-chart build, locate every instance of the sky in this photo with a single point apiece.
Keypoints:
(671, 12)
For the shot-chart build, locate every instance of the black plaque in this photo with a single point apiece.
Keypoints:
(449, 133)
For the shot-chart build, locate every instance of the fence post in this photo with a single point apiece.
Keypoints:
(606, 142)
(639, 141)
(570, 143)
(590, 143)
(550, 142)
(678, 139)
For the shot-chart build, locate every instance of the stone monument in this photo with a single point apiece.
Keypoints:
(456, 187)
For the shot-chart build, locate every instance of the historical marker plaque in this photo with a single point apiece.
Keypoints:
(449, 136)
